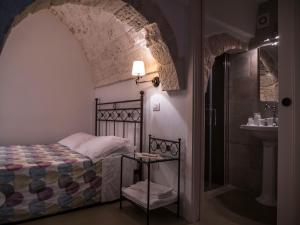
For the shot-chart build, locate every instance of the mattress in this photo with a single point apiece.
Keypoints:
(39, 180)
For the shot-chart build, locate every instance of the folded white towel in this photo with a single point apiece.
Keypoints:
(140, 198)
(157, 190)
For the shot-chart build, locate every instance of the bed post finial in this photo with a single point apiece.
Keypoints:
(142, 94)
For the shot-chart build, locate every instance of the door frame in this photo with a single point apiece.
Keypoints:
(288, 157)
(196, 10)
(288, 170)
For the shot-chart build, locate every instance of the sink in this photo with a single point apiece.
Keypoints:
(268, 136)
(265, 133)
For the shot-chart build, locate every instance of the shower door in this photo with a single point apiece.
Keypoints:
(216, 101)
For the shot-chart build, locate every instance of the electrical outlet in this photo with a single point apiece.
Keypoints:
(156, 106)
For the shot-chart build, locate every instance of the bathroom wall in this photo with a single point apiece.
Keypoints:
(45, 83)
(245, 151)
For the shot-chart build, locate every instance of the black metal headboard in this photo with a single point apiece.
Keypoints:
(110, 116)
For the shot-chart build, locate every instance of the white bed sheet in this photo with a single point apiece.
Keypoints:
(111, 170)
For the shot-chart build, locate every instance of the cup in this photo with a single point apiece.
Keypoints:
(250, 121)
(270, 121)
(261, 122)
(277, 121)
(257, 117)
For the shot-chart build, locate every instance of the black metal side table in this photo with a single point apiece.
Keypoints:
(167, 151)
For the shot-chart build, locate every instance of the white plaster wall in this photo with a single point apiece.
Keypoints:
(177, 118)
(236, 17)
(177, 17)
(45, 84)
(170, 122)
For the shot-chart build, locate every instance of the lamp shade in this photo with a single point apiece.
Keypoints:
(138, 68)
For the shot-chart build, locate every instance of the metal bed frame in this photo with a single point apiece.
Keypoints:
(120, 113)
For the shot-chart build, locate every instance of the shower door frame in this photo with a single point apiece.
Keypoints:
(226, 65)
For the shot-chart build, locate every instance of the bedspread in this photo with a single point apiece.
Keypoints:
(39, 180)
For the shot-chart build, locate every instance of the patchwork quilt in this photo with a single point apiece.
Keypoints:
(40, 180)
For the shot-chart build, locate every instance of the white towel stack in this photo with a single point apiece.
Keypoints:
(156, 190)
(160, 195)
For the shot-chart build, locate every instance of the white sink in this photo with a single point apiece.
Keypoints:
(265, 133)
(269, 136)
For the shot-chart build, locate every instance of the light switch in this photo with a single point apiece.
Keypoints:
(156, 106)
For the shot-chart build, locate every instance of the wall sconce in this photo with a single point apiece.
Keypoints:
(138, 70)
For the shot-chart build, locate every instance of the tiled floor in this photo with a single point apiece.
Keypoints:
(233, 207)
(110, 214)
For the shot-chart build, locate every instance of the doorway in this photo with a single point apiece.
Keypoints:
(288, 168)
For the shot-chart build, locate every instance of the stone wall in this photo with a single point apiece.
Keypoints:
(216, 45)
(268, 74)
(112, 35)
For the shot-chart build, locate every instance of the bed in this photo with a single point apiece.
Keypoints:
(41, 180)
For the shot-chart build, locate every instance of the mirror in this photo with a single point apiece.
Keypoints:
(268, 73)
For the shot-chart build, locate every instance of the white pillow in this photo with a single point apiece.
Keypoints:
(103, 146)
(74, 140)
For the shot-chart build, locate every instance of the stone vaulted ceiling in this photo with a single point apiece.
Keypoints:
(112, 35)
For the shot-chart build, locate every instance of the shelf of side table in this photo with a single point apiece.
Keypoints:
(168, 151)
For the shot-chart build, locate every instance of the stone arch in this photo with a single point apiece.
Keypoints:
(112, 34)
(217, 45)
(153, 13)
